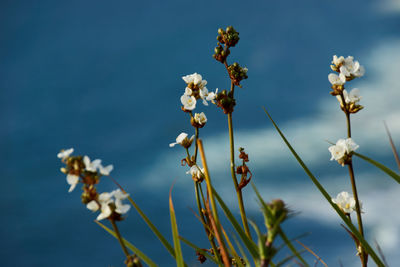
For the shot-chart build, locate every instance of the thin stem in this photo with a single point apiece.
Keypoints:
(235, 182)
(121, 242)
(358, 210)
(363, 256)
(196, 146)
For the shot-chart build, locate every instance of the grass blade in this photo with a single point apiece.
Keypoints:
(129, 245)
(250, 245)
(385, 169)
(349, 224)
(175, 235)
(396, 155)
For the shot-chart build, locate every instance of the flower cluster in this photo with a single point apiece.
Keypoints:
(237, 73)
(80, 169)
(347, 70)
(343, 150)
(195, 89)
(345, 202)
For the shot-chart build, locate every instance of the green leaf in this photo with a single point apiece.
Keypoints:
(261, 241)
(198, 249)
(129, 245)
(385, 169)
(175, 234)
(349, 224)
(246, 260)
(251, 246)
(154, 229)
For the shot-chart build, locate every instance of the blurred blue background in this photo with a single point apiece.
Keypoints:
(105, 78)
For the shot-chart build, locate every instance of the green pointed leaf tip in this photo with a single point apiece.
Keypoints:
(175, 235)
(385, 169)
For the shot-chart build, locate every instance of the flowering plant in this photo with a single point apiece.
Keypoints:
(255, 246)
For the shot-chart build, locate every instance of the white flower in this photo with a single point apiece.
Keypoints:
(93, 206)
(183, 140)
(196, 172)
(105, 170)
(65, 153)
(352, 68)
(72, 180)
(352, 97)
(91, 166)
(337, 151)
(203, 95)
(350, 145)
(196, 79)
(188, 102)
(119, 196)
(188, 91)
(335, 79)
(343, 148)
(211, 96)
(179, 139)
(105, 211)
(337, 60)
(105, 199)
(345, 202)
(200, 118)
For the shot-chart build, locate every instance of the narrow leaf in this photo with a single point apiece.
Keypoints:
(349, 224)
(250, 245)
(129, 245)
(175, 235)
(385, 169)
(395, 153)
(261, 241)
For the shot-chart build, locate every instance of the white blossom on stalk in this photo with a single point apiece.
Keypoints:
(105, 210)
(119, 196)
(352, 97)
(342, 149)
(196, 79)
(182, 140)
(352, 68)
(93, 206)
(203, 95)
(91, 166)
(196, 172)
(335, 79)
(188, 102)
(105, 170)
(72, 180)
(188, 91)
(211, 96)
(337, 60)
(200, 118)
(65, 153)
(345, 202)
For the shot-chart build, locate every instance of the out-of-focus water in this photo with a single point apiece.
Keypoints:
(105, 78)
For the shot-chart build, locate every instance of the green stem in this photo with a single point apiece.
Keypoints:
(119, 237)
(235, 182)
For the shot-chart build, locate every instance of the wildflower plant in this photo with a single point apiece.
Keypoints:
(242, 247)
